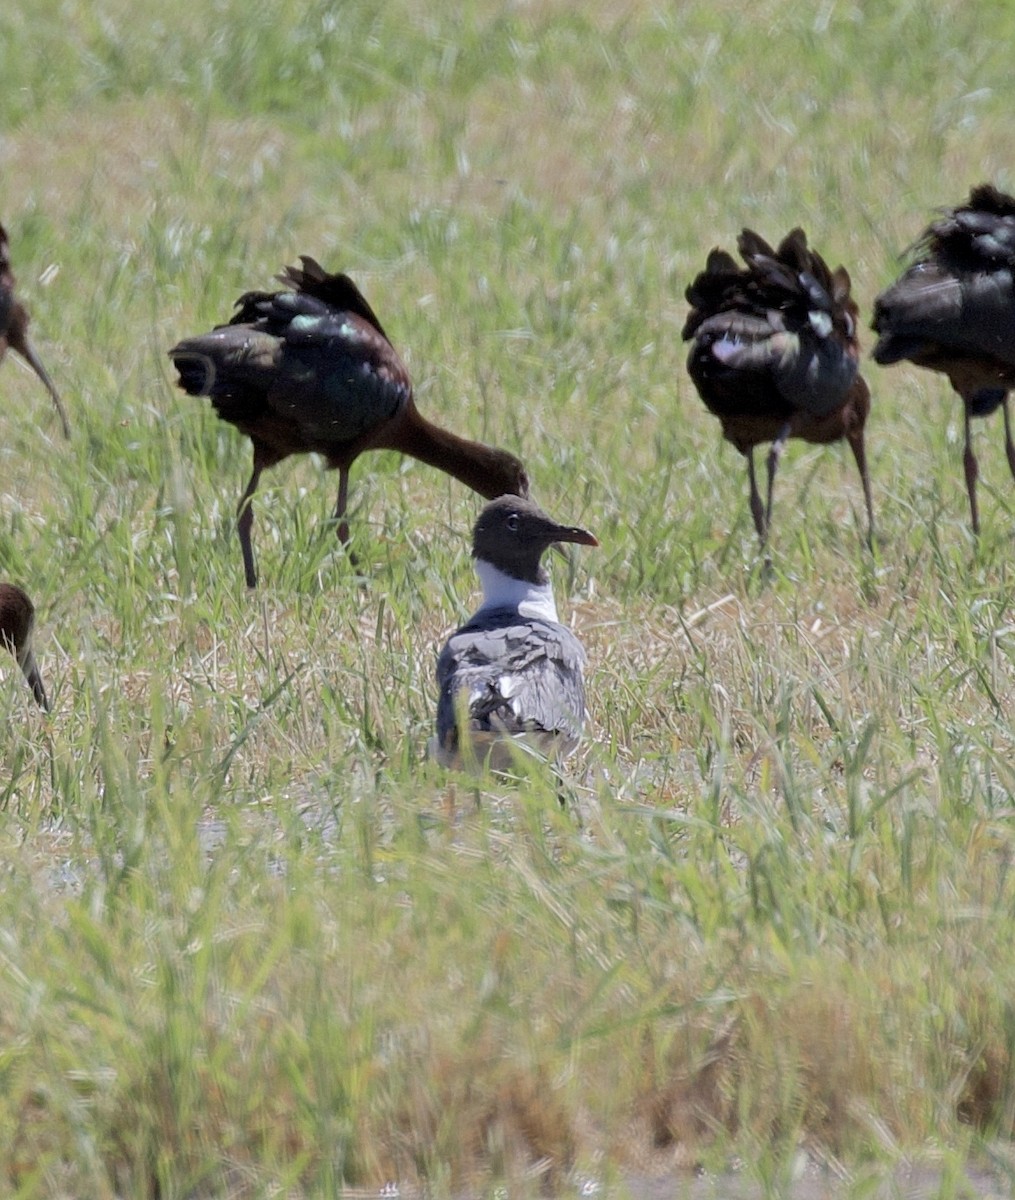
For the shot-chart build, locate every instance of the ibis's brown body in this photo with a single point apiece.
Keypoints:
(774, 355)
(311, 369)
(953, 311)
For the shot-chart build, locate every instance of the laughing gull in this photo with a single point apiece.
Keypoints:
(311, 369)
(774, 355)
(14, 330)
(17, 620)
(513, 674)
(953, 311)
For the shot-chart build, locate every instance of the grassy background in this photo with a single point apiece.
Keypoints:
(250, 943)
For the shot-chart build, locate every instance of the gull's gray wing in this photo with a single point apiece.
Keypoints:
(510, 676)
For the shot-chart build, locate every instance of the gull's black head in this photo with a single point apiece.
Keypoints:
(512, 533)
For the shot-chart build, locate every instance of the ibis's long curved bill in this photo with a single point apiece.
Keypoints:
(27, 352)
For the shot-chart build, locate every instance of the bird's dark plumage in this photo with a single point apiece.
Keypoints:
(512, 674)
(14, 330)
(311, 369)
(774, 354)
(953, 311)
(17, 621)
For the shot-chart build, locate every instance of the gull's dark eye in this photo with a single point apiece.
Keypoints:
(512, 522)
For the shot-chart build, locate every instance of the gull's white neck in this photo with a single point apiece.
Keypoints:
(504, 591)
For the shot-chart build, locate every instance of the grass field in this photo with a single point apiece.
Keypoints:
(251, 943)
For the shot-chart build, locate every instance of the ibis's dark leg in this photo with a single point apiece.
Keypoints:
(31, 671)
(1009, 446)
(773, 465)
(972, 471)
(18, 341)
(340, 506)
(245, 521)
(757, 508)
(860, 454)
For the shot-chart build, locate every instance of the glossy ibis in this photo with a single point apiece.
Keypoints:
(14, 329)
(953, 310)
(17, 620)
(311, 369)
(774, 355)
(513, 673)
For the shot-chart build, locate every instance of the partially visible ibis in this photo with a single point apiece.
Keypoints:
(953, 311)
(17, 621)
(14, 329)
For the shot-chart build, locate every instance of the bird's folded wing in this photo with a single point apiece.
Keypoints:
(511, 679)
(330, 375)
(973, 314)
(229, 360)
(811, 370)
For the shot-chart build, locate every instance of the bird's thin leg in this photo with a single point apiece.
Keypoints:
(860, 454)
(757, 508)
(1009, 446)
(972, 471)
(340, 506)
(245, 521)
(773, 465)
